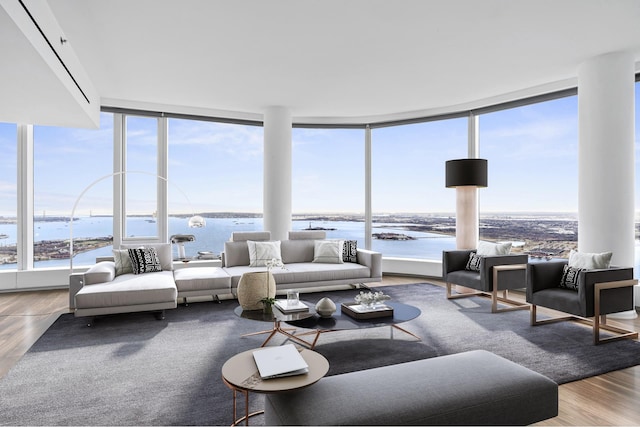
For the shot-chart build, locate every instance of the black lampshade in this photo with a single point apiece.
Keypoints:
(466, 172)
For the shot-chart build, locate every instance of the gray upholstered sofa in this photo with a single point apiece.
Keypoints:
(107, 288)
(299, 270)
(470, 388)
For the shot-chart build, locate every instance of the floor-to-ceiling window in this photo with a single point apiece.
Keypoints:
(66, 162)
(215, 170)
(413, 212)
(8, 196)
(141, 166)
(328, 181)
(532, 196)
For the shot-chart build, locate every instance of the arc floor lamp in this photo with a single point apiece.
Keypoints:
(466, 176)
(195, 221)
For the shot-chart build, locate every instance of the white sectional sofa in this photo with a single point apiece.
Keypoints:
(300, 271)
(108, 287)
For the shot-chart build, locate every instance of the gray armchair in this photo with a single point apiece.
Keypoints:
(497, 273)
(599, 292)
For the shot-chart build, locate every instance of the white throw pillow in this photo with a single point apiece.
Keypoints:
(589, 261)
(488, 248)
(122, 261)
(261, 252)
(328, 251)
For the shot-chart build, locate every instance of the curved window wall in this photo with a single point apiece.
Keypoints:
(215, 169)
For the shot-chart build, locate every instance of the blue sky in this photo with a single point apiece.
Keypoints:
(532, 153)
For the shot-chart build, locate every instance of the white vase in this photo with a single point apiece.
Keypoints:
(325, 307)
(254, 286)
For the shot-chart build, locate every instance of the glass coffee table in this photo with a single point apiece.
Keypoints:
(275, 318)
(341, 322)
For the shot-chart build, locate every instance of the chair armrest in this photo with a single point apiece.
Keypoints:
(75, 284)
(543, 275)
(100, 272)
(370, 259)
(454, 260)
(613, 300)
(489, 261)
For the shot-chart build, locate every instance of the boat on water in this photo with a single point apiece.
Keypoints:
(4, 236)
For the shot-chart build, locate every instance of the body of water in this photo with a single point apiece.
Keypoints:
(218, 230)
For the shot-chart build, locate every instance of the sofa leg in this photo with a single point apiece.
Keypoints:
(160, 315)
(90, 322)
(186, 303)
(216, 299)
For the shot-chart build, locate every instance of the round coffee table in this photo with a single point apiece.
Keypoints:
(340, 321)
(240, 374)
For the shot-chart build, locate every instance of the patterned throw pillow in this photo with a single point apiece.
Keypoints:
(570, 277)
(144, 260)
(350, 251)
(474, 262)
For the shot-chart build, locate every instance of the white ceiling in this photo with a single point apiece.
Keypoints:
(338, 60)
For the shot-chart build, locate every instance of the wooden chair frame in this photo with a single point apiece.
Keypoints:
(599, 321)
(515, 305)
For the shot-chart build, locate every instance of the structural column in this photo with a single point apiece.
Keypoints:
(277, 172)
(606, 157)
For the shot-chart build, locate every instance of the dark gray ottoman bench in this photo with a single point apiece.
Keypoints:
(471, 388)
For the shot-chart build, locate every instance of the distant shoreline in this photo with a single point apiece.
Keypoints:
(544, 232)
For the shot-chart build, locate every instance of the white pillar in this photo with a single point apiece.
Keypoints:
(467, 205)
(277, 172)
(467, 220)
(606, 157)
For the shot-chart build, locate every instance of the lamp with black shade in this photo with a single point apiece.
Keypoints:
(466, 176)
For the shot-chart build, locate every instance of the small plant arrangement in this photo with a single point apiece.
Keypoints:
(369, 299)
(268, 304)
(269, 301)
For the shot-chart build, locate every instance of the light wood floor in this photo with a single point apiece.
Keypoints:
(610, 399)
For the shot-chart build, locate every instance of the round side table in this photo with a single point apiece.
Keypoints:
(240, 374)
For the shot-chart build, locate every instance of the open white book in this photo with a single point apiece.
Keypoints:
(280, 361)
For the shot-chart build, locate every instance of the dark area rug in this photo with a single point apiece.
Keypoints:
(134, 370)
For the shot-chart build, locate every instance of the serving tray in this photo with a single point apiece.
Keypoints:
(358, 311)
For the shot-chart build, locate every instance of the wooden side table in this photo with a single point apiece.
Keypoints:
(240, 374)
